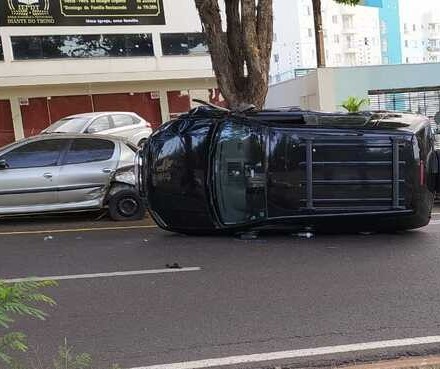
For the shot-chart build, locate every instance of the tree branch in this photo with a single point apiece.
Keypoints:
(235, 42)
(209, 13)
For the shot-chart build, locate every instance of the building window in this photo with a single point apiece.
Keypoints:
(405, 28)
(310, 33)
(336, 39)
(335, 19)
(183, 43)
(1, 51)
(414, 27)
(347, 21)
(406, 43)
(276, 58)
(81, 46)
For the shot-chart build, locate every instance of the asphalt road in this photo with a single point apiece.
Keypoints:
(248, 297)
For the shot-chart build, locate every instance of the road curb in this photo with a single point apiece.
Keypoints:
(401, 363)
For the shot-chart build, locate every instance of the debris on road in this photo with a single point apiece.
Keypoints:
(248, 236)
(48, 238)
(307, 235)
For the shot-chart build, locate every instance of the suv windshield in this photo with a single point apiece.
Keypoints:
(68, 125)
(239, 174)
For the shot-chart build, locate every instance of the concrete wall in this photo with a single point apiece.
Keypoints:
(333, 85)
(302, 92)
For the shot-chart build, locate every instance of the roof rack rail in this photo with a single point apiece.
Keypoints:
(211, 105)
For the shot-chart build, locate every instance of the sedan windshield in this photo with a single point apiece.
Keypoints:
(239, 174)
(68, 125)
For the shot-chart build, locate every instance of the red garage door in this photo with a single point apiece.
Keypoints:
(6, 125)
(35, 116)
(41, 111)
(62, 106)
(179, 102)
(140, 103)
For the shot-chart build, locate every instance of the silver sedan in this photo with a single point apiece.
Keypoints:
(58, 173)
(120, 124)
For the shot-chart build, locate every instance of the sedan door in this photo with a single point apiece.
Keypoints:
(29, 176)
(86, 171)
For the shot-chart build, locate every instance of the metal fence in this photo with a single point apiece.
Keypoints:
(423, 100)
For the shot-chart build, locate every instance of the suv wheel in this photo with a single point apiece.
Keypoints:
(126, 205)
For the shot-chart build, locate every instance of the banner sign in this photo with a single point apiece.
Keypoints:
(80, 12)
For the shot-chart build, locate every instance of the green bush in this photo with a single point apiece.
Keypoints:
(353, 104)
(19, 299)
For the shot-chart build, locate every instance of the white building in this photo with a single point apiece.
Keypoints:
(351, 36)
(50, 71)
(420, 30)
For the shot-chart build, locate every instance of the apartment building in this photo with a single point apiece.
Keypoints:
(352, 36)
(420, 28)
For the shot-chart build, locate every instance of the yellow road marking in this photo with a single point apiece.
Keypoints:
(75, 230)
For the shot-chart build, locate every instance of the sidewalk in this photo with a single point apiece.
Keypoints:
(402, 363)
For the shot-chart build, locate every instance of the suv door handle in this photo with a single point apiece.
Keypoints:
(48, 175)
(107, 170)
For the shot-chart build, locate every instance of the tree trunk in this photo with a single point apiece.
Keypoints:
(241, 55)
(319, 34)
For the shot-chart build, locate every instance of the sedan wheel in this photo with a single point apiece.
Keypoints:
(126, 205)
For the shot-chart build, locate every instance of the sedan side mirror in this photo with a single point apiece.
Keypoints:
(3, 164)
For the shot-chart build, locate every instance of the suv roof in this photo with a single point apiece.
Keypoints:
(293, 115)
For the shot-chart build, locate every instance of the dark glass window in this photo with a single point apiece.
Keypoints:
(239, 175)
(86, 150)
(1, 51)
(184, 43)
(35, 154)
(82, 46)
(28, 47)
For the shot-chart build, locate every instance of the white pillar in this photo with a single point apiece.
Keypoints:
(164, 106)
(17, 119)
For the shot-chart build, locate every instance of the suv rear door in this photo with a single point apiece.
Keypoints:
(86, 171)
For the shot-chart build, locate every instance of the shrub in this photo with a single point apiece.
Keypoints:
(353, 104)
(19, 299)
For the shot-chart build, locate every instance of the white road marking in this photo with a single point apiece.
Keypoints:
(49, 231)
(102, 275)
(280, 355)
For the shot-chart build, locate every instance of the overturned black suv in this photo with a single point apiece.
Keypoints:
(213, 170)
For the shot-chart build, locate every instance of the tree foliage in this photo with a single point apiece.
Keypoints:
(240, 55)
(19, 299)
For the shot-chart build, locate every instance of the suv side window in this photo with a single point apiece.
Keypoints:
(86, 150)
(100, 124)
(44, 153)
(122, 120)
